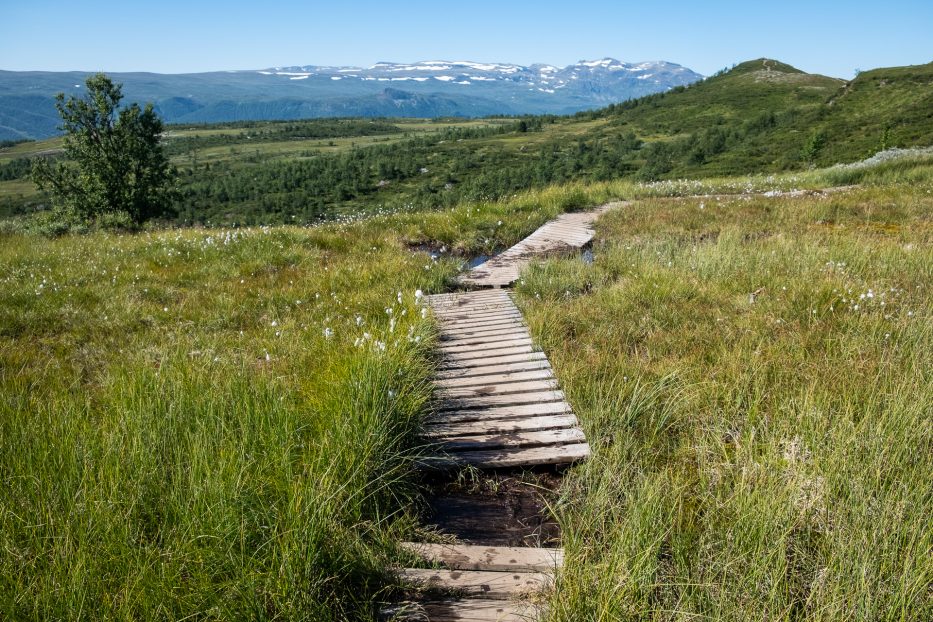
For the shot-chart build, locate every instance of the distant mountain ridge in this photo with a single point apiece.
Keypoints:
(420, 89)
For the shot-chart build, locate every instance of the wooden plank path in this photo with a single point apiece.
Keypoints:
(498, 405)
(567, 232)
(498, 402)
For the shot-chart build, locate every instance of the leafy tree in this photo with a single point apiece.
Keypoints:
(115, 164)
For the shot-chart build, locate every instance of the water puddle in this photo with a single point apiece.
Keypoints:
(477, 261)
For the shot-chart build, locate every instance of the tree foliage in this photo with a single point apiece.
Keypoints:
(115, 163)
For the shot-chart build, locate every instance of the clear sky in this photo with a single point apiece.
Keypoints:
(171, 36)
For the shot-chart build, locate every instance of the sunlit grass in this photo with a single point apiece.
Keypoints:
(206, 424)
(753, 374)
(220, 423)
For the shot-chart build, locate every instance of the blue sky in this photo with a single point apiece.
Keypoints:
(169, 36)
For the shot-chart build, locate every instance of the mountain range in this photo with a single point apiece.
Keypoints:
(421, 89)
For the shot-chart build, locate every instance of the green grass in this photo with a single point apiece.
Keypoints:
(753, 374)
(180, 437)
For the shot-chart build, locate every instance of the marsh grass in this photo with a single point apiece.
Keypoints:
(218, 424)
(206, 424)
(754, 376)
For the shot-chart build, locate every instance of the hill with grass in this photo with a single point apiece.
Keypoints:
(761, 116)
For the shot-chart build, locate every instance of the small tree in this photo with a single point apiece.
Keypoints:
(115, 165)
(813, 147)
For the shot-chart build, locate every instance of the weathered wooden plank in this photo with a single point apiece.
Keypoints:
(478, 557)
(476, 312)
(502, 378)
(510, 440)
(466, 327)
(471, 355)
(481, 345)
(456, 297)
(507, 458)
(478, 583)
(477, 308)
(499, 359)
(499, 296)
(470, 296)
(497, 388)
(467, 319)
(471, 610)
(500, 412)
(445, 314)
(480, 336)
(511, 399)
(526, 424)
(535, 361)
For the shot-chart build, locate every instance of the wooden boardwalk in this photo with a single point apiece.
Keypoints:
(498, 405)
(567, 232)
(493, 583)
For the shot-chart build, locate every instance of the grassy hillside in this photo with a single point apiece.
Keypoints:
(879, 109)
(759, 117)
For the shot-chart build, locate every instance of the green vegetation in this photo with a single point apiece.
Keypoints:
(759, 117)
(115, 166)
(754, 376)
(218, 423)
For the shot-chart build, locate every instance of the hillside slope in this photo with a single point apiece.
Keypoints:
(764, 115)
(879, 109)
(761, 116)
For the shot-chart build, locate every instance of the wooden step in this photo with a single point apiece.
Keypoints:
(448, 331)
(500, 412)
(533, 456)
(499, 426)
(502, 378)
(461, 315)
(496, 388)
(481, 345)
(459, 297)
(475, 311)
(478, 557)
(520, 357)
(481, 323)
(536, 361)
(463, 611)
(511, 399)
(508, 441)
(484, 354)
(486, 334)
(478, 583)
